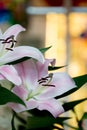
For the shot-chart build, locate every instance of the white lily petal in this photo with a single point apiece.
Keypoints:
(10, 73)
(52, 105)
(20, 52)
(13, 30)
(62, 83)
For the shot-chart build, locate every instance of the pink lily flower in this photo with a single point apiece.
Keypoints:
(9, 53)
(39, 88)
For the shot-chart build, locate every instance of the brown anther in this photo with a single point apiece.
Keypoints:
(45, 78)
(9, 40)
(10, 49)
(42, 80)
(45, 81)
(50, 85)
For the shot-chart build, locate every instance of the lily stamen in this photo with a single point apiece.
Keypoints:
(50, 85)
(46, 80)
(9, 49)
(42, 80)
(9, 40)
(5, 41)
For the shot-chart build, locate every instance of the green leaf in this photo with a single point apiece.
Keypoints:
(43, 50)
(7, 96)
(18, 61)
(50, 68)
(84, 116)
(43, 122)
(70, 105)
(12, 122)
(80, 81)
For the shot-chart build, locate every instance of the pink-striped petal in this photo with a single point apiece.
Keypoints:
(52, 105)
(31, 104)
(10, 73)
(28, 72)
(22, 93)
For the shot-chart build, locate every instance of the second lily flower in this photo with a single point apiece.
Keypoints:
(39, 88)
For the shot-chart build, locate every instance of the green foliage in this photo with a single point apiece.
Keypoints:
(84, 116)
(43, 50)
(80, 122)
(18, 61)
(12, 122)
(80, 80)
(51, 68)
(70, 105)
(7, 96)
(40, 120)
(44, 122)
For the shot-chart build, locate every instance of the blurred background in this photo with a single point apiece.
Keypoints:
(61, 24)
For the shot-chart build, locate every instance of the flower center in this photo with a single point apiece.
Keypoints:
(9, 40)
(43, 84)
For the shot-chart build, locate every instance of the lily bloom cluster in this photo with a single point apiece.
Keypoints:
(32, 81)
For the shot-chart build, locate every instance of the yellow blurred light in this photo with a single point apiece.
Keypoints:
(55, 36)
(55, 33)
(58, 126)
(78, 23)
